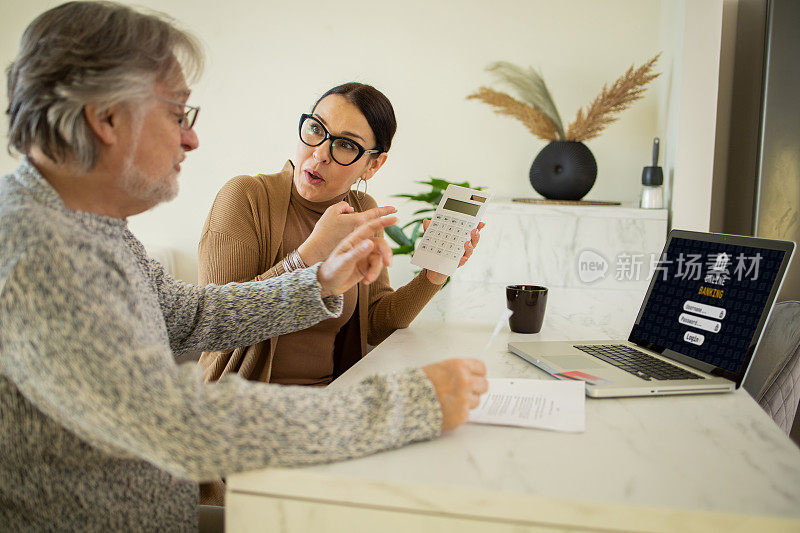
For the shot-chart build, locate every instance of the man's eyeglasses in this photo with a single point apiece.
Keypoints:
(343, 150)
(189, 117)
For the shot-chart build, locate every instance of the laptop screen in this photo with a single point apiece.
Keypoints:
(707, 299)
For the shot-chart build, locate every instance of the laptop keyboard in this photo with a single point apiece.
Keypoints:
(637, 363)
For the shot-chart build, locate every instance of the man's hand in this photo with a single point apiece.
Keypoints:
(338, 221)
(359, 257)
(459, 384)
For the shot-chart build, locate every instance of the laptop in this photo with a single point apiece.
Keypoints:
(699, 325)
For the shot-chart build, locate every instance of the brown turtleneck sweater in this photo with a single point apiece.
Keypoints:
(306, 357)
(253, 223)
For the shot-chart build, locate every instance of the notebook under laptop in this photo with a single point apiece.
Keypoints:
(701, 320)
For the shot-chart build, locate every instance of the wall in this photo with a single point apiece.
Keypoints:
(777, 214)
(761, 196)
(725, 114)
(267, 62)
(692, 32)
(744, 122)
(668, 87)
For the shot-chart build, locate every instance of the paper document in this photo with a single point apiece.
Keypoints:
(533, 403)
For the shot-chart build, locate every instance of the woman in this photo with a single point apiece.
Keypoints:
(261, 226)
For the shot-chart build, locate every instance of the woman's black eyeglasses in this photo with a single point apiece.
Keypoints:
(343, 150)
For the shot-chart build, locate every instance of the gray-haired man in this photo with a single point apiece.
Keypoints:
(99, 429)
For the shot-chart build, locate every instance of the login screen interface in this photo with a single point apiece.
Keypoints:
(707, 300)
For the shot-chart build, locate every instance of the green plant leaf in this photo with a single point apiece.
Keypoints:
(424, 210)
(413, 222)
(441, 184)
(428, 197)
(433, 197)
(436, 183)
(415, 232)
(397, 235)
(403, 250)
(409, 196)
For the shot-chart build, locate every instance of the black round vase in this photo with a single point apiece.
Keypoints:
(564, 170)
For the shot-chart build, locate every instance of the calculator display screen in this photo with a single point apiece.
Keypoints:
(461, 207)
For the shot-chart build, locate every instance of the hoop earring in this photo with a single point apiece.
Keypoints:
(358, 186)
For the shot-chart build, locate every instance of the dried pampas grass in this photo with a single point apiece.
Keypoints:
(530, 86)
(610, 102)
(534, 119)
(539, 114)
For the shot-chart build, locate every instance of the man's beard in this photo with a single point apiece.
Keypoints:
(151, 192)
(136, 183)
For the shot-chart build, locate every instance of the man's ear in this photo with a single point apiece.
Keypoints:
(104, 123)
(374, 166)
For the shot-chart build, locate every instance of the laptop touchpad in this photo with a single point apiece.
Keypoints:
(574, 361)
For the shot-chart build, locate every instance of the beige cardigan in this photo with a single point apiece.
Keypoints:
(242, 241)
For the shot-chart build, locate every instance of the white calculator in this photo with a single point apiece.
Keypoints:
(458, 213)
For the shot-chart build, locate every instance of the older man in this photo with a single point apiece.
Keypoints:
(99, 429)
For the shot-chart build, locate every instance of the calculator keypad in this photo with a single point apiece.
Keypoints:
(446, 236)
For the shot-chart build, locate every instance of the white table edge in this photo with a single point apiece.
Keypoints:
(487, 506)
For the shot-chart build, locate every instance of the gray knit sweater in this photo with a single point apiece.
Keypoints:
(100, 429)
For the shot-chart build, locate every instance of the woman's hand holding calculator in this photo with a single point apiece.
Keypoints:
(452, 236)
(438, 279)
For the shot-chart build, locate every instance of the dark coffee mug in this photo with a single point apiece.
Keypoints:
(527, 302)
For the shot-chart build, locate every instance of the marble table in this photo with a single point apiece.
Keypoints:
(689, 463)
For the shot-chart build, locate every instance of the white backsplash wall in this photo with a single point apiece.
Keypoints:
(605, 247)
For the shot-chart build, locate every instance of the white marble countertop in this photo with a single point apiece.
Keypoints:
(506, 205)
(694, 454)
